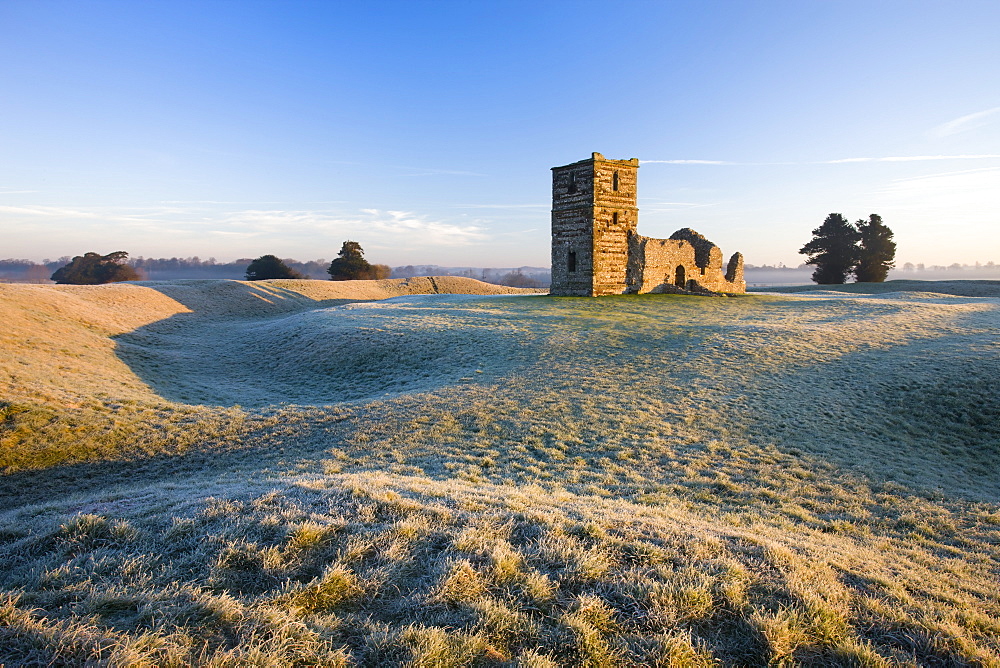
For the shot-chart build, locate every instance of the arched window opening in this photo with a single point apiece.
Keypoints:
(614, 182)
(571, 261)
(572, 182)
(679, 277)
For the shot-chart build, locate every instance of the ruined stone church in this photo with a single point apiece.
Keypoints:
(596, 250)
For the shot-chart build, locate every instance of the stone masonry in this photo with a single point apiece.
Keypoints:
(596, 250)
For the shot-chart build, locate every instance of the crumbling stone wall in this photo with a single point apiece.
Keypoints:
(686, 260)
(597, 251)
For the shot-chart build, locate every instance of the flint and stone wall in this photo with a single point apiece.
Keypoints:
(592, 220)
(596, 250)
(686, 260)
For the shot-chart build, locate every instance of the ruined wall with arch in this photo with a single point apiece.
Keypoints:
(686, 260)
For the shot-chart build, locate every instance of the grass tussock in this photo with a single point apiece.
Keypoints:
(406, 576)
(657, 481)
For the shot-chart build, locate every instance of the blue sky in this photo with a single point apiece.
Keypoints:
(426, 130)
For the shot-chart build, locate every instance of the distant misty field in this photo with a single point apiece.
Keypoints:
(304, 472)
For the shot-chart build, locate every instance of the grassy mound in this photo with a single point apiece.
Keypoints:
(328, 355)
(217, 472)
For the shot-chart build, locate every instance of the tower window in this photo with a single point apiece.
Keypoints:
(571, 261)
(572, 182)
(614, 182)
(614, 219)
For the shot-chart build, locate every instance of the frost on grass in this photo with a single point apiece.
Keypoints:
(336, 354)
(456, 480)
(376, 569)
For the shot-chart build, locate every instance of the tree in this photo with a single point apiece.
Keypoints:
(833, 250)
(350, 264)
(878, 250)
(270, 266)
(95, 269)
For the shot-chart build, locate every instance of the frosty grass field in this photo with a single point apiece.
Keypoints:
(282, 473)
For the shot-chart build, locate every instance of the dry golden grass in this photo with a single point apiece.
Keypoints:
(220, 473)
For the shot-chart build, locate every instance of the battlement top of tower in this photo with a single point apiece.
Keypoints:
(599, 157)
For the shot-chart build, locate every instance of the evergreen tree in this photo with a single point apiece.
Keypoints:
(269, 266)
(95, 269)
(833, 250)
(350, 264)
(878, 250)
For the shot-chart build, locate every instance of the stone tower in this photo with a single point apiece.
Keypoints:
(593, 214)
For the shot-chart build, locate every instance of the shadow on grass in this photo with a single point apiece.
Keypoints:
(924, 413)
(54, 484)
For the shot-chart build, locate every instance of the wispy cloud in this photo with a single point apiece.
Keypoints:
(964, 200)
(687, 162)
(963, 172)
(49, 211)
(424, 231)
(652, 201)
(213, 201)
(244, 229)
(438, 172)
(387, 227)
(965, 123)
(838, 161)
(913, 158)
(545, 205)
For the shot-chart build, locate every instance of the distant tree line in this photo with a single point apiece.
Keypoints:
(93, 268)
(986, 269)
(13, 269)
(162, 269)
(839, 249)
(520, 277)
(29, 271)
(194, 267)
